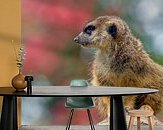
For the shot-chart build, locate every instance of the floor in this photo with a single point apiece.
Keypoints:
(78, 127)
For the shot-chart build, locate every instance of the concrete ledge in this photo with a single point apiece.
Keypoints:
(79, 127)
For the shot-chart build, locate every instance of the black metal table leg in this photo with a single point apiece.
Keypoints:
(117, 115)
(15, 118)
(9, 113)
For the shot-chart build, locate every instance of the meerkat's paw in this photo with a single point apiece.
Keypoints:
(146, 107)
(128, 108)
(106, 121)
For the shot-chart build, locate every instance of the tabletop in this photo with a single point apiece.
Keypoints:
(66, 91)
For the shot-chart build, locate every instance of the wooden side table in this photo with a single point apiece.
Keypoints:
(138, 114)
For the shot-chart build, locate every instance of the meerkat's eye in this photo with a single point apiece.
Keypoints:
(112, 30)
(89, 29)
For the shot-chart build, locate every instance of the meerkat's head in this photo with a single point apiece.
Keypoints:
(102, 31)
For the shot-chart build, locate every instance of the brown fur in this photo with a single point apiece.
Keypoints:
(122, 61)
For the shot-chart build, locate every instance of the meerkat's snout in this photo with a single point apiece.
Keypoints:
(82, 39)
(76, 39)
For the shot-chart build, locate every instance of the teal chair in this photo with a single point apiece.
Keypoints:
(79, 103)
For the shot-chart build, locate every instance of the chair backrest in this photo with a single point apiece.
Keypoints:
(79, 83)
(79, 102)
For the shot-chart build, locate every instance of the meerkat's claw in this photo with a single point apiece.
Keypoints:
(146, 107)
(127, 109)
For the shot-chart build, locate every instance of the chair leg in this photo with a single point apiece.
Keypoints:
(138, 123)
(150, 123)
(131, 123)
(70, 119)
(90, 120)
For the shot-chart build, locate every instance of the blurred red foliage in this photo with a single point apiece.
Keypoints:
(48, 26)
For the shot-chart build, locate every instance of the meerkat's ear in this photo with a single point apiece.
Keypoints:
(112, 30)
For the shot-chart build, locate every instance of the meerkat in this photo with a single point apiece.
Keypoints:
(120, 60)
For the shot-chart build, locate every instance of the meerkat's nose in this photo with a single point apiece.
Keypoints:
(76, 39)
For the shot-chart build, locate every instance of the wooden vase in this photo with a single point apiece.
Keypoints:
(18, 82)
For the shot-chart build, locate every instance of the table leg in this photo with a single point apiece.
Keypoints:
(117, 114)
(9, 113)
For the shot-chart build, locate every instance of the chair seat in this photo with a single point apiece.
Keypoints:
(140, 113)
(79, 102)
